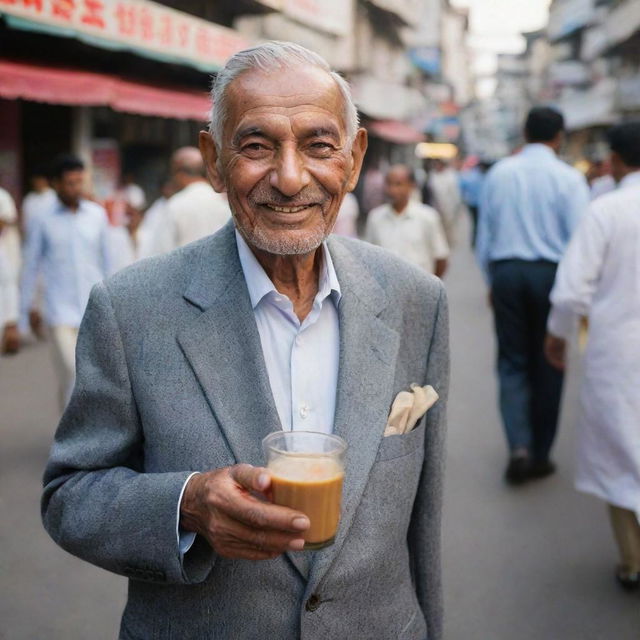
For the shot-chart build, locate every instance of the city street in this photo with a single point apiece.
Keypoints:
(519, 564)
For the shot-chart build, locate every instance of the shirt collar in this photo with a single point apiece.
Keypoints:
(61, 207)
(630, 179)
(538, 148)
(259, 284)
(405, 213)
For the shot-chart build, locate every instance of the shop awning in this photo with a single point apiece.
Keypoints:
(395, 131)
(72, 87)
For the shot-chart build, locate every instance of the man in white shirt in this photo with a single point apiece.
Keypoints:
(69, 245)
(408, 228)
(39, 199)
(196, 210)
(447, 198)
(599, 277)
(9, 268)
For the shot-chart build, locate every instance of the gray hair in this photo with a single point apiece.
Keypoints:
(272, 56)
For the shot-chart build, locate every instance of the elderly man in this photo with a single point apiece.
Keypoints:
(185, 362)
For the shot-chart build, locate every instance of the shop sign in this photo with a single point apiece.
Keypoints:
(427, 59)
(144, 26)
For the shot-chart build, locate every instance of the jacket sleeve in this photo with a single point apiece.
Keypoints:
(98, 502)
(425, 528)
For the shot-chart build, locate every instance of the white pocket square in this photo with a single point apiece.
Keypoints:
(408, 407)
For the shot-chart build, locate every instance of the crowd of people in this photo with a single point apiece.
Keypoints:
(552, 247)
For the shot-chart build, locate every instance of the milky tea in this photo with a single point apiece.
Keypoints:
(307, 473)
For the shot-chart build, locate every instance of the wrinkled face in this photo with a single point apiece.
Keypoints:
(69, 186)
(285, 160)
(398, 187)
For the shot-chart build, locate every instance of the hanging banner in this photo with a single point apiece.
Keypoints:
(142, 26)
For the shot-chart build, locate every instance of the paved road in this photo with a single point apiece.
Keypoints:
(527, 564)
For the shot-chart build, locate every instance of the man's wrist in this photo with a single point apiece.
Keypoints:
(188, 510)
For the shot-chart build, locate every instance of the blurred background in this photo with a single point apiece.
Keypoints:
(439, 84)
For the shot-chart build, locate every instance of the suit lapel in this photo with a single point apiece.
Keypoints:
(223, 348)
(368, 349)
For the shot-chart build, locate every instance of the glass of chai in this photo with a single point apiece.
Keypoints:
(307, 470)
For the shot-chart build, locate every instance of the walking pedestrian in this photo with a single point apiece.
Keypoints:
(530, 205)
(69, 246)
(9, 269)
(599, 277)
(406, 227)
(195, 210)
(39, 199)
(447, 199)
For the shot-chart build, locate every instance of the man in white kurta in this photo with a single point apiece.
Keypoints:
(408, 228)
(599, 277)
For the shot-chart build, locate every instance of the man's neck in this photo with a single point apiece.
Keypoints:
(295, 276)
(399, 208)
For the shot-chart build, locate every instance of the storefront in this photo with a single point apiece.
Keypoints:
(121, 83)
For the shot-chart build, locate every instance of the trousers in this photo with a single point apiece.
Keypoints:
(530, 388)
(63, 350)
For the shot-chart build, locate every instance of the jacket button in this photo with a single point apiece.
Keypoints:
(313, 602)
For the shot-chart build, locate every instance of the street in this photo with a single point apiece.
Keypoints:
(534, 562)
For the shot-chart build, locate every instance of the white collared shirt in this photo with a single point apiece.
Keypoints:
(301, 357)
(415, 234)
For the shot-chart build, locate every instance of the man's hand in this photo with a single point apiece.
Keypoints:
(35, 322)
(220, 506)
(555, 350)
(10, 339)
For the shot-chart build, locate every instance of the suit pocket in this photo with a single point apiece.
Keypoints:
(393, 447)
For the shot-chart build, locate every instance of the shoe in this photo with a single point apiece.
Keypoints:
(518, 470)
(541, 469)
(628, 581)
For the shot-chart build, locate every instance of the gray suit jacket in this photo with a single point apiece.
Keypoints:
(171, 379)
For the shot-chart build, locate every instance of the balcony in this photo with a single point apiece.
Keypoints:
(622, 23)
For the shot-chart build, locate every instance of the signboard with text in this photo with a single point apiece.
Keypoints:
(141, 25)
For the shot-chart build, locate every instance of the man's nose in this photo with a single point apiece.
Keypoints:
(289, 176)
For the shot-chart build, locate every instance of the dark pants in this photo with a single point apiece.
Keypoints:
(530, 388)
(473, 212)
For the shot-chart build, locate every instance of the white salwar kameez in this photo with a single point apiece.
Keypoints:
(599, 277)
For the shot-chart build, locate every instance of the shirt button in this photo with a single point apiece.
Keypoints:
(312, 603)
(304, 411)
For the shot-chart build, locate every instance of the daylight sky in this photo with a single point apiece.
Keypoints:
(495, 27)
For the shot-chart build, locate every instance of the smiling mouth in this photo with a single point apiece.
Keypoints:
(273, 207)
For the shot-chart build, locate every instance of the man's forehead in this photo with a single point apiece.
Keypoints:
(287, 91)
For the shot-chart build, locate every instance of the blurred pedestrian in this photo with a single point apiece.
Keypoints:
(600, 179)
(9, 270)
(195, 210)
(347, 220)
(152, 237)
(445, 193)
(599, 277)
(471, 181)
(39, 199)
(406, 227)
(530, 205)
(69, 246)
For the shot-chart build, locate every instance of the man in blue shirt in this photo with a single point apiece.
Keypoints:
(530, 205)
(69, 245)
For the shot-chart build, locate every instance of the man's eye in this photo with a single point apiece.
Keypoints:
(253, 146)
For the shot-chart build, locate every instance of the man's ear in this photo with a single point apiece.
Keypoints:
(358, 149)
(209, 153)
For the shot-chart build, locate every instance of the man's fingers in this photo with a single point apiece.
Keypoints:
(251, 478)
(257, 514)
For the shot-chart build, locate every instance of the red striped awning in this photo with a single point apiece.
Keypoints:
(73, 87)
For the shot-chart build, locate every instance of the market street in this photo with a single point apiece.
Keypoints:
(529, 563)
